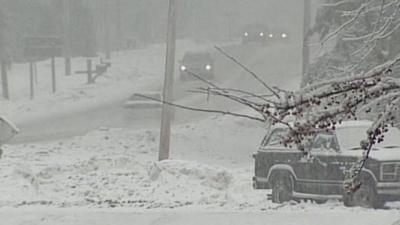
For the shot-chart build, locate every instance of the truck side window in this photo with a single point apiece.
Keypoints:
(276, 138)
(325, 142)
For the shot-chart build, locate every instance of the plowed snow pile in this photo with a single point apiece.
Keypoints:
(114, 168)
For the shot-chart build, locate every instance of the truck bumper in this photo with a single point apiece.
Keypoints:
(260, 183)
(185, 76)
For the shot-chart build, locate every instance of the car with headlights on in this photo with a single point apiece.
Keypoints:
(196, 64)
(255, 33)
(320, 175)
(278, 35)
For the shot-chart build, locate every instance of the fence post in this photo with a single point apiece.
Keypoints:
(89, 71)
(35, 72)
(31, 79)
(53, 73)
(4, 79)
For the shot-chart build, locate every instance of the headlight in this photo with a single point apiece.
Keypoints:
(208, 67)
(389, 171)
(284, 35)
(261, 34)
(271, 35)
(388, 168)
(183, 68)
(246, 34)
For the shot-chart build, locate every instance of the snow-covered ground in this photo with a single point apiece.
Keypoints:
(115, 171)
(116, 167)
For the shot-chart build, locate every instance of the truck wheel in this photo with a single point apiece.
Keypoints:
(282, 189)
(365, 197)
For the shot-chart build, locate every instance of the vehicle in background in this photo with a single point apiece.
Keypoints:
(255, 33)
(320, 176)
(197, 63)
(278, 35)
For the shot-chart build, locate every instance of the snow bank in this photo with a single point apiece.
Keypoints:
(112, 168)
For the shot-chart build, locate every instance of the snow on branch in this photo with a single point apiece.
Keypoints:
(346, 24)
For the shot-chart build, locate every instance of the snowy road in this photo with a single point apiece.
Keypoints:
(78, 123)
(269, 62)
(110, 217)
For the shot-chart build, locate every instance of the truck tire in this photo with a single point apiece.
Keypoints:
(282, 188)
(365, 197)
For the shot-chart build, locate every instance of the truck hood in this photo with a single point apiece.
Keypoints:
(379, 154)
(386, 154)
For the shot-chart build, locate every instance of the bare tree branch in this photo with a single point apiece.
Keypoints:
(203, 110)
(248, 70)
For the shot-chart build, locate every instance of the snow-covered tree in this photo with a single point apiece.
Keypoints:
(358, 35)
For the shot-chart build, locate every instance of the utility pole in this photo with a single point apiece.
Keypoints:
(67, 36)
(167, 110)
(306, 49)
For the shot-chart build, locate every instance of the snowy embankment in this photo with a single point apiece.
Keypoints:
(130, 71)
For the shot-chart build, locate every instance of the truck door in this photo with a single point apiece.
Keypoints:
(320, 167)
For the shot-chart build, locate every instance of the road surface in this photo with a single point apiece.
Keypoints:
(278, 65)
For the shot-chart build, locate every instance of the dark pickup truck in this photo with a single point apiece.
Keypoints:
(320, 176)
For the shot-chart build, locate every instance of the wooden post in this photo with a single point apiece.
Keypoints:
(4, 79)
(89, 71)
(67, 66)
(31, 79)
(53, 74)
(165, 132)
(35, 72)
